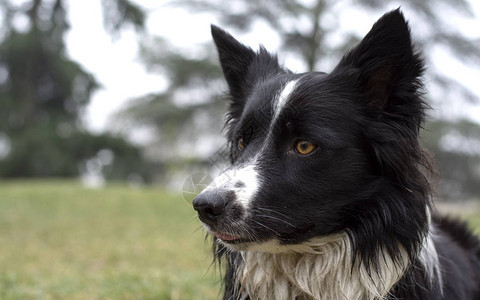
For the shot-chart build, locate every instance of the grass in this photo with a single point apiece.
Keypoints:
(59, 240)
(62, 241)
(474, 222)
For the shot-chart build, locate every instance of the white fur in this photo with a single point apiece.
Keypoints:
(318, 269)
(322, 269)
(281, 100)
(429, 259)
(246, 175)
(250, 179)
(428, 256)
(278, 106)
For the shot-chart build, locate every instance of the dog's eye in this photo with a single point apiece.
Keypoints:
(240, 144)
(304, 147)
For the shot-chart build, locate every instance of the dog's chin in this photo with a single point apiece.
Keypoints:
(237, 242)
(268, 246)
(271, 245)
(241, 242)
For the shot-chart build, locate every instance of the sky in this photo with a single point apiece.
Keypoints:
(115, 63)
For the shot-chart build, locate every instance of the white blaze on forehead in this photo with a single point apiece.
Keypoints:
(280, 102)
(243, 181)
(278, 106)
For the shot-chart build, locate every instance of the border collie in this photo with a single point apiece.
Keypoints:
(327, 196)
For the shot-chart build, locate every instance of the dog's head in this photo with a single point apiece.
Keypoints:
(315, 154)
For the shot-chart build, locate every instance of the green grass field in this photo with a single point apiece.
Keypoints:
(59, 240)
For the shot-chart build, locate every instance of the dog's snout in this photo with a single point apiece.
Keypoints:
(211, 205)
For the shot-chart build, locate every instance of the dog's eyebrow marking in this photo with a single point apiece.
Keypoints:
(282, 99)
(278, 106)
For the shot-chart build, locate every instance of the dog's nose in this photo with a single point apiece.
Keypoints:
(210, 206)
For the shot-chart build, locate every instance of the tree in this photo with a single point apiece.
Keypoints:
(304, 35)
(40, 79)
(455, 147)
(302, 32)
(43, 93)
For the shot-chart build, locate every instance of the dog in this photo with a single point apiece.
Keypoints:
(328, 196)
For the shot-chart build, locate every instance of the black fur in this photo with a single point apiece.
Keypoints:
(366, 176)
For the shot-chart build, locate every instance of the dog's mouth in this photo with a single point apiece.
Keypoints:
(237, 238)
(232, 239)
(229, 238)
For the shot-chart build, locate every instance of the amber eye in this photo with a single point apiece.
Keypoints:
(304, 147)
(241, 144)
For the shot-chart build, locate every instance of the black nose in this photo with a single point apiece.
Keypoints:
(210, 205)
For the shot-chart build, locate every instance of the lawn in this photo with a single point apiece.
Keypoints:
(60, 240)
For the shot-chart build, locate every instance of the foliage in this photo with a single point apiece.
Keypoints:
(42, 84)
(302, 30)
(183, 112)
(456, 152)
(44, 151)
(43, 94)
(119, 13)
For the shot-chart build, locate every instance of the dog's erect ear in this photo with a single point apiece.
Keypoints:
(385, 66)
(235, 58)
(386, 70)
(242, 66)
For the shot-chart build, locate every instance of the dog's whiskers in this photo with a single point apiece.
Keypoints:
(265, 226)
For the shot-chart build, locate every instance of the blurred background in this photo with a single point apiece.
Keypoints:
(116, 94)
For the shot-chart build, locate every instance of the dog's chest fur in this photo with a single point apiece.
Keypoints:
(322, 270)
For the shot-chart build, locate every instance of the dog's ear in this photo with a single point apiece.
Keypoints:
(235, 58)
(386, 68)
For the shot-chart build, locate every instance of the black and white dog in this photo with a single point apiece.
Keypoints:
(327, 196)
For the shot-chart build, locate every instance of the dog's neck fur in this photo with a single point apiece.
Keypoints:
(320, 269)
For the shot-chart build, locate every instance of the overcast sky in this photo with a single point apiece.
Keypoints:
(115, 63)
